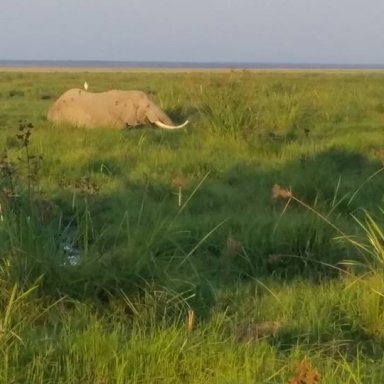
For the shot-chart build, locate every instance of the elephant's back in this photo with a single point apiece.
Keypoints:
(70, 107)
(115, 95)
(69, 98)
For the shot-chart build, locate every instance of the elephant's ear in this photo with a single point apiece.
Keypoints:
(126, 113)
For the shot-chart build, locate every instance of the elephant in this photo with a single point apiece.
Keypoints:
(113, 109)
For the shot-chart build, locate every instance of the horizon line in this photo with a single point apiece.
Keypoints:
(185, 63)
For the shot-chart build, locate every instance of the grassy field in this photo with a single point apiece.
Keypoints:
(246, 248)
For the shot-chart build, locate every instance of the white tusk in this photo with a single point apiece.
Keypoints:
(165, 126)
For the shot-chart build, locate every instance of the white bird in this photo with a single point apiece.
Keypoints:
(85, 85)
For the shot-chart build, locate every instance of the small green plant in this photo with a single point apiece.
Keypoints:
(14, 172)
(8, 175)
(32, 162)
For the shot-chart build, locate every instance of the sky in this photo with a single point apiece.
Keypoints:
(261, 31)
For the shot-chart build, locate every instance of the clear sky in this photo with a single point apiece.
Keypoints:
(288, 31)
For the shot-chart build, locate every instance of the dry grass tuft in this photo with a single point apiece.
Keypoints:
(278, 191)
(233, 246)
(305, 374)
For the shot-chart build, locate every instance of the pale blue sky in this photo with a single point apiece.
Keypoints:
(289, 31)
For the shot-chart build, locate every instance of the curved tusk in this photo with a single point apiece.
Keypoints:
(165, 126)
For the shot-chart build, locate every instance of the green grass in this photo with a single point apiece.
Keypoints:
(171, 223)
